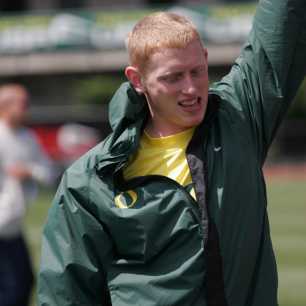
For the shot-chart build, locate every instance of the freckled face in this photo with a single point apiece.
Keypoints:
(176, 87)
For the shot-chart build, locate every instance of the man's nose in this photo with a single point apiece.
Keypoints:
(189, 86)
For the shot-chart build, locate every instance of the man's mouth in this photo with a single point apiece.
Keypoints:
(188, 103)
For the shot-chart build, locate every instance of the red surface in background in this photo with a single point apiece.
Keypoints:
(47, 137)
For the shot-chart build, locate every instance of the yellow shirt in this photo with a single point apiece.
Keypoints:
(162, 156)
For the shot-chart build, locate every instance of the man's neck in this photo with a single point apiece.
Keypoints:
(159, 130)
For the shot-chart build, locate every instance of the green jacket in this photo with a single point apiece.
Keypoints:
(146, 242)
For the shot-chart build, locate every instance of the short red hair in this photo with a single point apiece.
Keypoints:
(157, 31)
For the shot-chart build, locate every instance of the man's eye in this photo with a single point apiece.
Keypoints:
(198, 72)
(173, 78)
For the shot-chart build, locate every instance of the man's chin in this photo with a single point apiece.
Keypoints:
(195, 121)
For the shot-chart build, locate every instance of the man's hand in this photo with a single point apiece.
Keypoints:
(19, 171)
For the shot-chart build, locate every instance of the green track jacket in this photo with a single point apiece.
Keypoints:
(146, 242)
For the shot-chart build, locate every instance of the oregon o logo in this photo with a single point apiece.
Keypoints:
(126, 199)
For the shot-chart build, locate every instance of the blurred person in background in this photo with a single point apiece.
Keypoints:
(171, 209)
(22, 164)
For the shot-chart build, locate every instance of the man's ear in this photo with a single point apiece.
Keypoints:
(133, 75)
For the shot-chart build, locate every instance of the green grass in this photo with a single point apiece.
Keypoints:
(287, 210)
(34, 222)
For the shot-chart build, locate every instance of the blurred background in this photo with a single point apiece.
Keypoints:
(70, 55)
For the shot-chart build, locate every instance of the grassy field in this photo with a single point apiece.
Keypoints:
(287, 209)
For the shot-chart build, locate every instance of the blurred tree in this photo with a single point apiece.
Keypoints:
(13, 5)
(67, 4)
(97, 89)
(161, 2)
(237, 1)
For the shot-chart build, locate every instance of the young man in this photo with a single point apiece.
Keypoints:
(171, 208)
(22, 163)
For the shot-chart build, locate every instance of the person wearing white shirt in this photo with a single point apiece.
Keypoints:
(22, 165)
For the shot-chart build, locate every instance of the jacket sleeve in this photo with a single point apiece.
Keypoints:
(74, 249)
(267, 74)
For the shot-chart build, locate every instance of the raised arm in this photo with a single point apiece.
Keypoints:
(74, 247)
(267, 74)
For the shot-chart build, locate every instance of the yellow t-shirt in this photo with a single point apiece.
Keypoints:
(162, 156)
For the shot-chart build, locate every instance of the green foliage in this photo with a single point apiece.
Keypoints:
(113, 18)
(97, 89)
(229, 11)
(26, 21)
